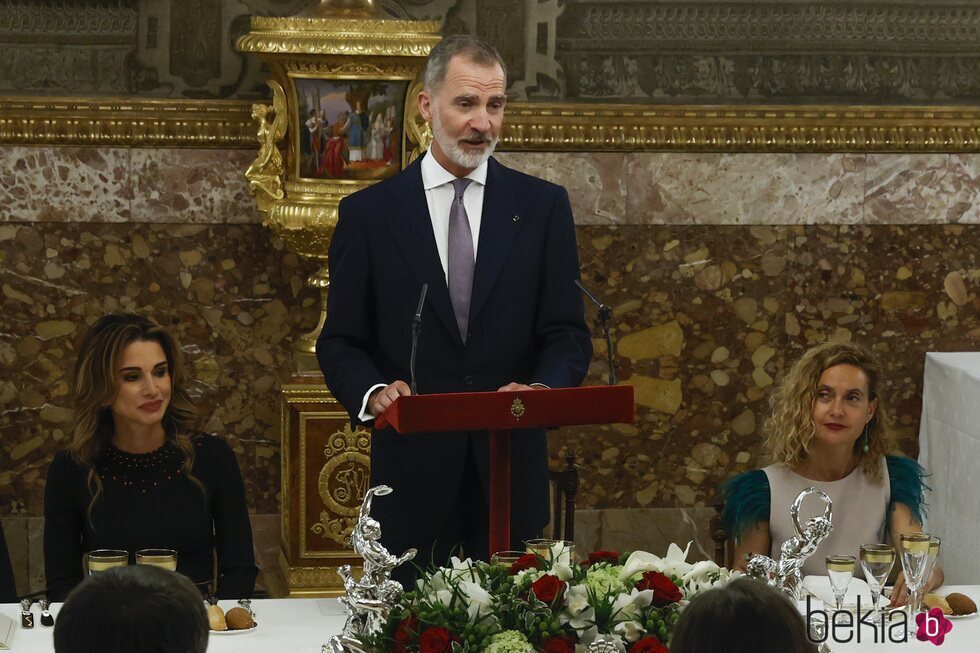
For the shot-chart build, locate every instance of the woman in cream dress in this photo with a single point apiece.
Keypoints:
(829, 430)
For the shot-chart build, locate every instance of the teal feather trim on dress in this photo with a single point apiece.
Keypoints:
(747, 501)
(907, 480)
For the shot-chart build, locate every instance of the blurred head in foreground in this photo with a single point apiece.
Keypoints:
(744, 616)
(137, 609)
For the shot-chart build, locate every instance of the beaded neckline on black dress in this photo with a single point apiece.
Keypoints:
(141, 471)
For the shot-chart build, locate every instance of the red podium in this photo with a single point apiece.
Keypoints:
(498, 413)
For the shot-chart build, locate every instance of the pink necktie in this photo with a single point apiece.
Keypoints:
(461, 259)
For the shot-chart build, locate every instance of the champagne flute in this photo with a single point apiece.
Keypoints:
(915, 556)
(102, 559)
(934, 543)
(162, 558)
(840, 569)
(877, 561)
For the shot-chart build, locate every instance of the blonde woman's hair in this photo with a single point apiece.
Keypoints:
(790, 428)
(94, 387)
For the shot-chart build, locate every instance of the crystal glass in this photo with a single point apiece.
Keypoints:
(102, 559)
(554, 551)
(915, 559)
(877, 561)
(506, 558)
(840, 569)
(934, 543)
(163, 558)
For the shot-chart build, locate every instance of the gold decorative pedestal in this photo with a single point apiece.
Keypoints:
(325, 473)
(343, 116)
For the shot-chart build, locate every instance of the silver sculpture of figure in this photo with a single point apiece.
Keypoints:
(785, 574)
(370, 600)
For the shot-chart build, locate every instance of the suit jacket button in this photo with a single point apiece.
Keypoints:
(468, 380)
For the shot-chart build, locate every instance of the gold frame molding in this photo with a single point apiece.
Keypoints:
(530, 127)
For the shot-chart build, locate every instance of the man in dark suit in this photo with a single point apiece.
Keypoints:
(497, 250)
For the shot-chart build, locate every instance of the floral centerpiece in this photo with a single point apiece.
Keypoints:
(627, 602)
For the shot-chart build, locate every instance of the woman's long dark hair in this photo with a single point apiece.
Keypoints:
(94, 388)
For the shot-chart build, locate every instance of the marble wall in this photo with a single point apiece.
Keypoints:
(721, 268)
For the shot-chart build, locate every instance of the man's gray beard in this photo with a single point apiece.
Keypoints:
(456, 154)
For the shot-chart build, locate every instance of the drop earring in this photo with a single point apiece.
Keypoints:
(867, 429)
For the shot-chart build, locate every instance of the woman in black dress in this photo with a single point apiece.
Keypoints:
(136, 474)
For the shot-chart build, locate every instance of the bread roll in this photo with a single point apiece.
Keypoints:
(933, 600)
(961, 603)
(216, 618)
(239, 619)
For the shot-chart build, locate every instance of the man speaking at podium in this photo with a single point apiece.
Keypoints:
(497, 251)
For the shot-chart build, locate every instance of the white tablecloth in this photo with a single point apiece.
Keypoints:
(304, 625)
(293, 625)
(949, 449)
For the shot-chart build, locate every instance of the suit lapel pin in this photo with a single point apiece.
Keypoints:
(516, 218)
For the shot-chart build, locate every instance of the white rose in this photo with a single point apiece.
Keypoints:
(639, 562)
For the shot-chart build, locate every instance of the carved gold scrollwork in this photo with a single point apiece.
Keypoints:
(418, 131)
(266, 173)
(343, 481)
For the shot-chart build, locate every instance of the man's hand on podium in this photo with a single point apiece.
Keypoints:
(381, 398)
(514, 387)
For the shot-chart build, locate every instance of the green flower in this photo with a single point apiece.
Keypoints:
(604, 580)
(509, 641)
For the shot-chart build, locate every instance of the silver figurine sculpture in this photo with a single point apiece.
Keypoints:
(785, 574)
(370, 600)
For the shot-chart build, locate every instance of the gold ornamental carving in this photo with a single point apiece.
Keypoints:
(517, 408)
(342, 482)
(530, 127)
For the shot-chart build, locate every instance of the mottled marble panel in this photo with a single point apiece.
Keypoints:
(649, 529)
(745, 189)
(64, 184)
(964, 169)
(697, 324)
(234, 295)
(596, 182)
(203, 186)
(920, 189)
(902, 290)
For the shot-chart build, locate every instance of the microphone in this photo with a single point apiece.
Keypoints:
(602, 319)
(416, 329)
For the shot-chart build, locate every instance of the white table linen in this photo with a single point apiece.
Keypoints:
(949, 450)
(304, 625)
(293, 625)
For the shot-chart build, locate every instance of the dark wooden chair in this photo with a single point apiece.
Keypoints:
(564, 486)
(724, 547)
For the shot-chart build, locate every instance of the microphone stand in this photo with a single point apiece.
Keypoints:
(602, 319)
(416, 330)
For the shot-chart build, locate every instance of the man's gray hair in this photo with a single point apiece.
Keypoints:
(464, 45)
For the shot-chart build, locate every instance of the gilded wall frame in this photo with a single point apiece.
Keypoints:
(127, 122)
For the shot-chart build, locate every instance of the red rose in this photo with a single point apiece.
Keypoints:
(664, 590)
(526, 561)
(560, 644)
(547, 588)
(612, 557)
(435, 640)
(649, 644)
(407, 629)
